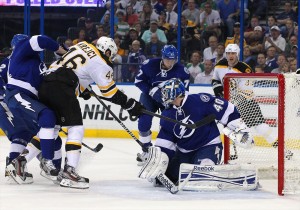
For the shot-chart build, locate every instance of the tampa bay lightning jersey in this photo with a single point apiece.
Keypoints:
(151, 75)
(26, 68)
(193, 109)
(3, 76)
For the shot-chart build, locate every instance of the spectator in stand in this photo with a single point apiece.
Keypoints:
(271, 58)
(286, 68)
(294, 51)
(146, 16)
(172, 16)
(210, 22)
(154, 29)
(81, 37)
(220, 53)
(205, 77)
(162, 23)
(258, 7)
(121, 51)
(137, 6)
(195, 67)
(253, 23)
(296, 30)
(192, 13)
(289, 29)
(157, 6)
(293, 64)
(229, 11)
(287, 14)
(123, 27)
(90, 30)
(211, 51)
(275, 40)
(248, 58)
(190, 38)
(131, 18)
(272, 21)
(291, 42)
(261, 61)
(138, 28)
(135, 57)
(212, 3)
(153, 48)
(255, 40)
(236, 36)
(281, 60)
(133, 35)
(259, 69)
(106, 23)
(100, 33)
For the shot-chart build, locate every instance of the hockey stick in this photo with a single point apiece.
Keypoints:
(96, 149)
(198, 124)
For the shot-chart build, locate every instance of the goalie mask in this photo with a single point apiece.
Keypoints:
(105, 43)
(172, 89)
(17, 38)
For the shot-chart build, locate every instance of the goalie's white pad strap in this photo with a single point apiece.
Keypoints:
(156, 163)
(217, 177)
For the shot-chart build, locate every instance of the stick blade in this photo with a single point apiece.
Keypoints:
(98, 147)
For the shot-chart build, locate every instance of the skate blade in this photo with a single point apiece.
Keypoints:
(71, 184)
(49, 177)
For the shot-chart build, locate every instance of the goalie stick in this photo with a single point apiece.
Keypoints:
(96, 149)
(161, 177)
(204, 121)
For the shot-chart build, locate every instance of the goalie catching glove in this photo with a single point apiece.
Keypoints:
(157, 163)
(239, 133)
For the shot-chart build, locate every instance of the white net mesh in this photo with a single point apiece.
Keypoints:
(257, 100)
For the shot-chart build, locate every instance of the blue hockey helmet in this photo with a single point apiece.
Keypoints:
(17, 38)
(172, 89)
(169, 52)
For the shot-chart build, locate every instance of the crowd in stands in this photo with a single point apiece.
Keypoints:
(143, 27)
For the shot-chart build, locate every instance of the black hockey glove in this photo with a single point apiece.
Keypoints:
(298, 71)
(133, 107)
(86, 94)
(217, 88)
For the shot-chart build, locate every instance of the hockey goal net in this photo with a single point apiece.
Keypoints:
(270, 105)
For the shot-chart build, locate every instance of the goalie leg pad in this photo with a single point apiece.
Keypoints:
(218, 177)
(157, 163)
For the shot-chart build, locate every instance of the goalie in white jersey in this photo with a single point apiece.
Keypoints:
(243, 100)
(81, 66)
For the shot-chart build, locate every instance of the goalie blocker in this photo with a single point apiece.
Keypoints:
(217, 177)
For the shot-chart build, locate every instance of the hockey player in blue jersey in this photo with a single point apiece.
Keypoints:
(176, 144)
(25, 75)
(151, 77)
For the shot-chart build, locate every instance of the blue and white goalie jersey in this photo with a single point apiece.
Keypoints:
(193, 109)
(26, 69)
(151, 75)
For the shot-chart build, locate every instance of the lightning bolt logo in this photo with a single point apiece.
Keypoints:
(25, 103)
(10, 116)
(182, 129)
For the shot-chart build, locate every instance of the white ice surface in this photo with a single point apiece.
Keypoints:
(114, 186)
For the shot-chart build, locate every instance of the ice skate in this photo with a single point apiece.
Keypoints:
(48, 169)
(70, 178)
(16, 170)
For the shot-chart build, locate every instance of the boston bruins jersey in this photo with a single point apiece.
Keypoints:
(89, 66)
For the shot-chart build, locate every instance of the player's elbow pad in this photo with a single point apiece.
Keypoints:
(217, 88)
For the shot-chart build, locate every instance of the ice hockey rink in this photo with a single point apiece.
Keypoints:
(114, 186)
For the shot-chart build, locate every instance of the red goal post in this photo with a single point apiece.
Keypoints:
(270, 105)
